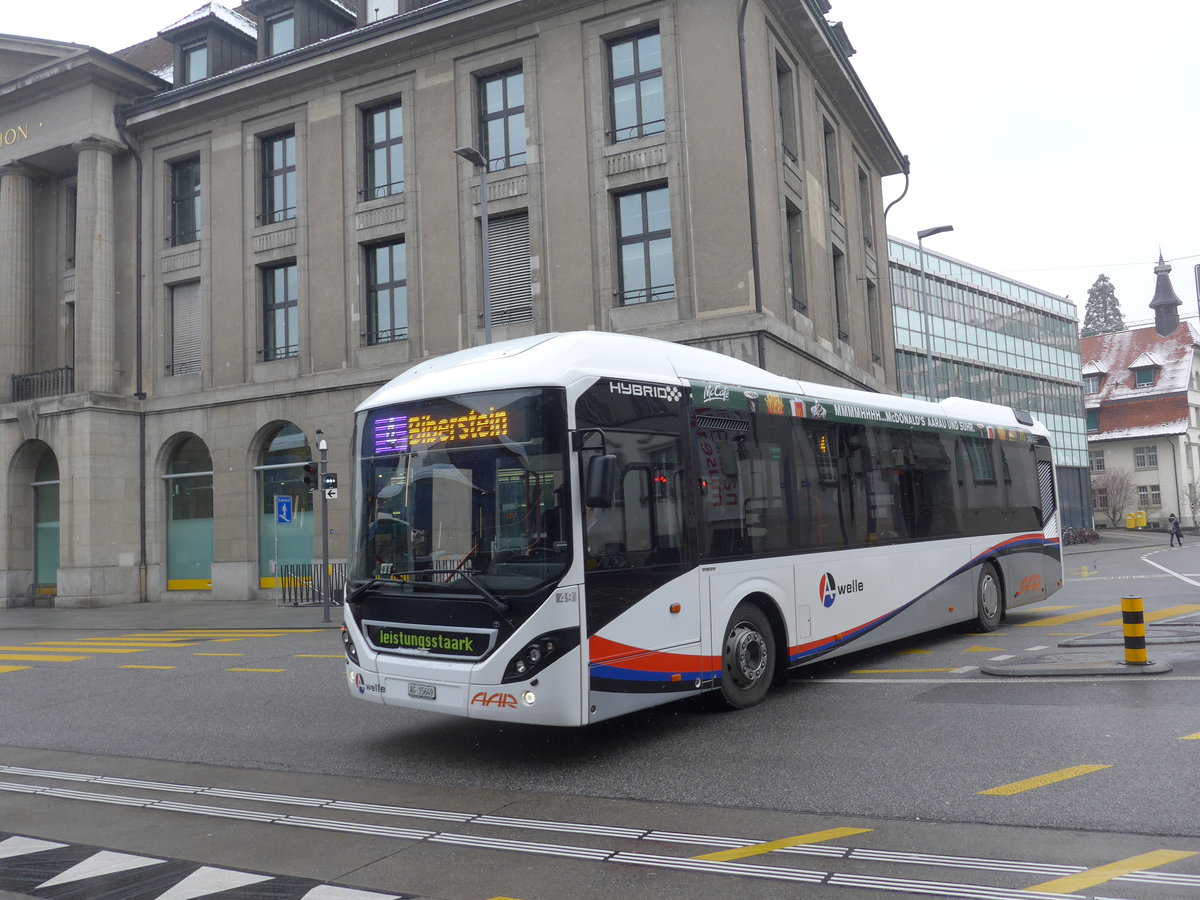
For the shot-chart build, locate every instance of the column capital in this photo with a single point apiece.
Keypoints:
(19, 169)
(112, 148)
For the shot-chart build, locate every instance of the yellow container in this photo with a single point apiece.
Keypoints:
(1130, 520)
(1141, 518)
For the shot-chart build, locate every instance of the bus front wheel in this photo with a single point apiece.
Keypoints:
(747, 657)
(989, 599)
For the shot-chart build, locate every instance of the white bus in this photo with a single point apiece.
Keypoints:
(565, 528)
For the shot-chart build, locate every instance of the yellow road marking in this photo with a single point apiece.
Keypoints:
(913, 652)
(1090, 878)
(758, 849)
(38, 657)
(978, 649)
(147, 667)
(117, 642)
(70, 648)
(1168, 613)
(1017, 787)
(320, 656)
(243, 632)
(256, 670)
(14, 668)
(1191, 737)
(894, 671)
(1048, 608)
(1055, 621)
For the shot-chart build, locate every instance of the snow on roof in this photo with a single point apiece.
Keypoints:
(234, 19)
(1091, 367)
(1119, 351)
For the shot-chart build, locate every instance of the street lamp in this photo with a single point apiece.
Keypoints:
(475, 158)
(326, 579)
(921, 235)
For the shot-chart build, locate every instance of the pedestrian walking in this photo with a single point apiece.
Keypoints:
(1175, 530)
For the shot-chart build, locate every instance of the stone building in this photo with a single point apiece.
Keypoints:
(215, 243)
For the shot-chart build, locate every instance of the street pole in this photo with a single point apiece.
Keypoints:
(477, 159)
(925, 313)
(326, 580)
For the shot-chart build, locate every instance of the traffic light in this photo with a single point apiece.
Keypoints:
(310, 476)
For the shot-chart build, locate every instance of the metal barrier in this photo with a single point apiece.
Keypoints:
(308, 584)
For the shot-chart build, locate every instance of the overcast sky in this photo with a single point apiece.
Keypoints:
(1060, 138)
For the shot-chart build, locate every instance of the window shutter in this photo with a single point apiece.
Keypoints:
(510, 282)
(186, 346)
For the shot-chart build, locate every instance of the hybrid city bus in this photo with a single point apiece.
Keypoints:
(565, 528)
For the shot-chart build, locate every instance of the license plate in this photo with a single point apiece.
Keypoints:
(422, 691)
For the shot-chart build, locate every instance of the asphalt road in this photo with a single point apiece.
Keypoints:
(898, 764)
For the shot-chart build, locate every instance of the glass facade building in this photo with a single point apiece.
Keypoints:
(994, 339)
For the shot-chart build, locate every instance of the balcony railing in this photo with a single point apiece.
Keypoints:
(50, 383)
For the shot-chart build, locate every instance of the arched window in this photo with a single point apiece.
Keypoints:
(285, 531)
(188, 482)
(45, 539)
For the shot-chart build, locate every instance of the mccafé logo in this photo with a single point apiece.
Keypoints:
(830, 589)
(483, 698)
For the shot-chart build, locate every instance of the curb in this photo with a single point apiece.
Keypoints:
(1078, 667)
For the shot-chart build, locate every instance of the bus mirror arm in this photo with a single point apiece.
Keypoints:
(601, 475)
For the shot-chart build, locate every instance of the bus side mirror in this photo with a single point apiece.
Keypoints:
(601, 476)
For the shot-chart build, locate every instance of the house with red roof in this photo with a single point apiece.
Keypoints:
(1142, 393)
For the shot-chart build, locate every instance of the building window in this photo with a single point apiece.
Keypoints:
(502, 119)
(280, 472)
(510, 270)
(644, 245)
(186, 333)
(866, 208)
(281, 312)
(833, 179)
(636, 80)
(841, 317)
(70, 221)
(281, 34)
(1096, 460)
(874, 323)
(383, 147)
(279, 177)
(1143, 377)
(1146, 457)
(1100, 498)
(789, 131)
(185, 201)
(195, 63)
(1093, 420)
(387, 292)
(1091, 384)
(1149, 496)
(189, 488)
(795, 259)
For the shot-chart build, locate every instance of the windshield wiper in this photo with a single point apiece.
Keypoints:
(372, 584)
(492, 600)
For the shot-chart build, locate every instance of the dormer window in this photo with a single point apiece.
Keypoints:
(1144, 377)
(281, 34)
(195, 63)
(1091, 383)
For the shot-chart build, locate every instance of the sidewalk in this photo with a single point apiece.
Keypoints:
(167, 615)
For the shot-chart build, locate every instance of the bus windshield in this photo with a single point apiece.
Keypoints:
(464, 493)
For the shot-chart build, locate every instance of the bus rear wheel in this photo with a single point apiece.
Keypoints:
(747, 657)
(989, 599)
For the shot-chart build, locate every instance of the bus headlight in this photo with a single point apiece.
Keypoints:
(539, 653)
(348, 646)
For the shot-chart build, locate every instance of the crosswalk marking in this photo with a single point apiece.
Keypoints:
(1055, 621)
(38, 657)
(70, 648)
(1158, 615)
(106, 862)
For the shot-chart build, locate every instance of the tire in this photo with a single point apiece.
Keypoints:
(989, 599)
(748, 658)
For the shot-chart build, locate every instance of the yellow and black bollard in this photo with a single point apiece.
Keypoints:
(1134, 627)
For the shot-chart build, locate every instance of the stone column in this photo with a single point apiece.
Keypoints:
(16, 275)
(95, 269)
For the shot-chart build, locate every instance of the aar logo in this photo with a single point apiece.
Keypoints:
(831, 590)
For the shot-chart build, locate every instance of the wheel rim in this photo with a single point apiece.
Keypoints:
(989, 596)
(745, 654)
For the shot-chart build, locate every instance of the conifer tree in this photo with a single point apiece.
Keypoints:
(1103, 312)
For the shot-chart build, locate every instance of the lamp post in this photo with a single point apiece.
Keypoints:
(475, 158)
(921, 235)
(326, 575)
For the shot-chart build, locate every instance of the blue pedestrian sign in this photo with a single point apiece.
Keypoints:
(283, 510)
